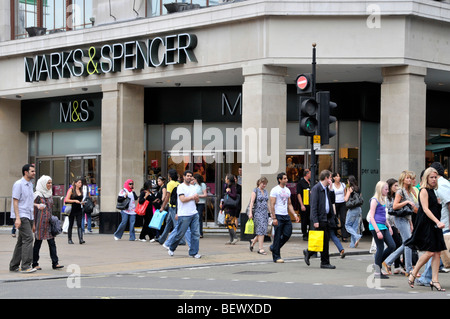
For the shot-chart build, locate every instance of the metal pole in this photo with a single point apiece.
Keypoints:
(313, 151)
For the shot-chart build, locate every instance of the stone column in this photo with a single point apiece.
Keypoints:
(264, 116)
(122, 146)
(403, 121)
(14, 146)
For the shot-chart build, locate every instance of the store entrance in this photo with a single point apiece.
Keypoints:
(64, 170)
(299, 160)
(213, 167)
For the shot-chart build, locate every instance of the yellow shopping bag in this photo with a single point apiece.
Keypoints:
(315, 240)
(249, 227)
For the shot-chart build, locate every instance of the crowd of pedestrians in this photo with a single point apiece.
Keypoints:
(404, 217)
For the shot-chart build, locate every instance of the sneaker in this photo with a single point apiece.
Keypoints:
(165, 246)
(116, 238)
(170, 252)
(152, 240)
(28, 271)
(444, 270)
(197, 256)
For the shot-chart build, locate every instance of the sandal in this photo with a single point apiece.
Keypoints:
(432, 285)
(411, 283)
(262, 252)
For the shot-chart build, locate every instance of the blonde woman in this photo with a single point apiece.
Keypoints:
(379, 227)
(259, 211)
(428, 236)
(404, 196)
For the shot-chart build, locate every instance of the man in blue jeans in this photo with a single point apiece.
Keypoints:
(187, 216)
(280, 205)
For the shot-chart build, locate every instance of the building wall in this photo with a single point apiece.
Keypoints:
(14, 145)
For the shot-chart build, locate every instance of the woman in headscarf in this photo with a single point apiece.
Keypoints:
(127, 213)
(42, 216)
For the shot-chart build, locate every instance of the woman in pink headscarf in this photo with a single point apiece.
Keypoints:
(128, 213)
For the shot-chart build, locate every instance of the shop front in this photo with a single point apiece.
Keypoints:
(64, 139)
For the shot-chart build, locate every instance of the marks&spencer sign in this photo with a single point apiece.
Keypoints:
(111, 58)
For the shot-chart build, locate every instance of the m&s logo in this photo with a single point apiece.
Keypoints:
(75, 111)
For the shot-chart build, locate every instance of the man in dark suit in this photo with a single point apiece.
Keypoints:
(321, 216)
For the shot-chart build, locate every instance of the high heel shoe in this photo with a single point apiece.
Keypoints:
(432, 285)
(411, 283)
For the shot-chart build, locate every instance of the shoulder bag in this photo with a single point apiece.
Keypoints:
(355, 200)
(123, 202)
(402, 212)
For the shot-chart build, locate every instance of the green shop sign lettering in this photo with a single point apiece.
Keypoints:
(132, 55)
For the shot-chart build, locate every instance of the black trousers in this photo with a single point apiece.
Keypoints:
(52, 248)
(305, 221)
(325, 254)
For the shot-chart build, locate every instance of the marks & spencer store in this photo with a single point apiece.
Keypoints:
(212, 90)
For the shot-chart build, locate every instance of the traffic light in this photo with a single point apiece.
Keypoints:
(304, 83)
(324, 118)
(308, 111)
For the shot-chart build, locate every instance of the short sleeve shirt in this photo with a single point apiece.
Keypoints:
(188, 208)
(282, 195)
(170, 186)
(23, 191)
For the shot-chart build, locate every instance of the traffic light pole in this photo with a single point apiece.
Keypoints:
(313, 151)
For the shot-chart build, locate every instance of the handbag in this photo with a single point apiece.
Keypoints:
(315, 240)
(229, 202)
(249, 227)
(141, 208)
(55, 226)
(402, 212)
(355, 200)
(67, 209)
(88, 206)
(123, 202)
(157, 219)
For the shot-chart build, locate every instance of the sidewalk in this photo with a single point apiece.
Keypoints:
(101, 254)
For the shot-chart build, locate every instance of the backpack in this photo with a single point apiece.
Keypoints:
(55, 226)
(173, 197)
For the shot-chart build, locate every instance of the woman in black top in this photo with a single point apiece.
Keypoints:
(427, 234)
(75, 197)
(149, 193)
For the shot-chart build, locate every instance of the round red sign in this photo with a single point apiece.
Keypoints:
(302, 82)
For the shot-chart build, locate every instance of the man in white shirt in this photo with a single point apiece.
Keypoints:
(187, 216)
(280, 206)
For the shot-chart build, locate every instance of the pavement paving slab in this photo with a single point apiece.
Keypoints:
(101, 254)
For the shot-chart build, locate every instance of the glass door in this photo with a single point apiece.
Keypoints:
(87, 167)
(53, 167)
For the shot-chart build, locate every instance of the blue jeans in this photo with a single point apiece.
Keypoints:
(89, 222)
(336, 240)
(352, 224)
(382, 253)
(185, 223)
(186, 239)
(404, 228)
(123, 224)
(170, 223)
(283, 232)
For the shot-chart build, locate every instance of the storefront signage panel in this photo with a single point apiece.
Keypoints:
(110, 58)
(62, 113)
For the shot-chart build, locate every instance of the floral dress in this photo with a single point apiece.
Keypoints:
(261, 212)
(42, 218)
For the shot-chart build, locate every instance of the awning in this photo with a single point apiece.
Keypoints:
(436, 148)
